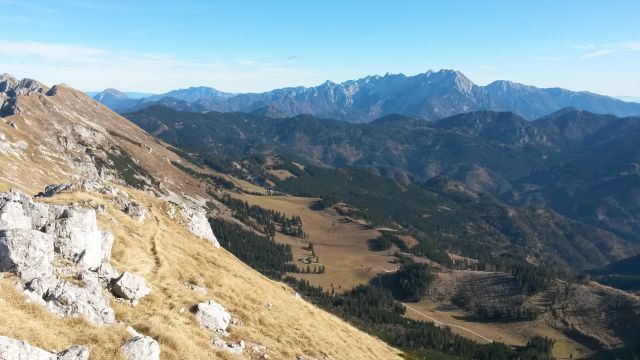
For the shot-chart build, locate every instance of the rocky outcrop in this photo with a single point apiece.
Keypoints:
(132, 208)
(194, 215)
(11, 349)
(33, 235)
(28, 253)
(78, 239)
(64, 298)
(74, 230)
(197, 222)
(11, 88)
(140, 347)
(212, 316)
(131, 287)
(118, 197)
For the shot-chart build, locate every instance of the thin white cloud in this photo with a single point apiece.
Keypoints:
(94, 68)
(597, 53)
(625, 47)
(46, 51)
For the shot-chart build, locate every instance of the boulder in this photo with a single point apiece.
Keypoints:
(66, 299)
(140, 347)
(136, 211)
(212, 316)
(232, 348)
(258, 352)
(12, 216)
(78, 239)
(129, 207)
(130, 286)
(171, 212)
(34, 234)
(198, 289)
(76, 352)
(11, 349)
(19, 211)
(198, 224)
(106, 274)
(28, 253)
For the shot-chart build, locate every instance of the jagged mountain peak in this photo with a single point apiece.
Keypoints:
(11, 89)
(434, 94)
(11, 86)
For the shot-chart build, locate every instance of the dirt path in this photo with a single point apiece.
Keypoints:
(154, 245)
(438, 323)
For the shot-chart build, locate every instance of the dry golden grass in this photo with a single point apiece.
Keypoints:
(167, 256)
(342, 245)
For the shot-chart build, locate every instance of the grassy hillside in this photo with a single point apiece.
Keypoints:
(161, 250)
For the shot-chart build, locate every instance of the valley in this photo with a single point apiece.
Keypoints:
(342, 247)
(304, 180)
(341, 244)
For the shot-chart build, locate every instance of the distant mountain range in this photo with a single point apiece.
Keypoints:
(583, 165)
(431, 95)
(129, 94)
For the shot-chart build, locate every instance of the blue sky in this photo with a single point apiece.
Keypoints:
(155, 46)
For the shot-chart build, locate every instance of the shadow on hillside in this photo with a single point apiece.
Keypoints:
(377, 244)
(389, 281)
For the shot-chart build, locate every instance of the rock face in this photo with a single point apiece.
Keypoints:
(33, 235)
(197, 223)
(10, 88)
(11, 349)
(78, 239)
(28, 253)
(212, 316)
(131, 287)
(12, 216)
(74, 230)
(140, 347)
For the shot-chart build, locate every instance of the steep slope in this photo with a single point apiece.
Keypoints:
(168, 257)
(59, 135)
(431, 95)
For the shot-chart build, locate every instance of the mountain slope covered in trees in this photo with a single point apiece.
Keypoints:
(580, 164)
